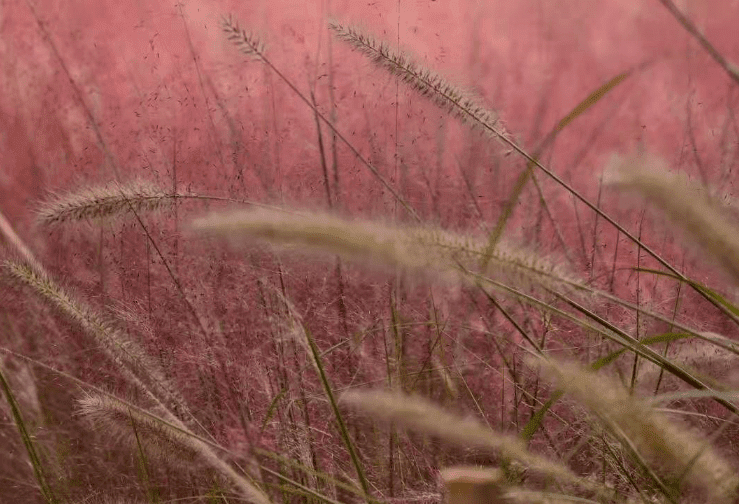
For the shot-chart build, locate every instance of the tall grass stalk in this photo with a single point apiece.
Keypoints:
(28, 441)
(305, 339)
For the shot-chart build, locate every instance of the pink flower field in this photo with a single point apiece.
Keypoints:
(351, 252)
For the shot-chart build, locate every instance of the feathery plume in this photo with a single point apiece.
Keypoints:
(425, 250)
(103, 201)
(688, 205)
(130, 359)
(459, 103)
(158, 438)
(667, 444)
(418, 414)
(124, 424)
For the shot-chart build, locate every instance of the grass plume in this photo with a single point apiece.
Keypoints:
(458, 103)
(160, 439)
(669, 446)
(103, 201)
(425, 250)
(129, 358)
(418, 414)
(686, 204)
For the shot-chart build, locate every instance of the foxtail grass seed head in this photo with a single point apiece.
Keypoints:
(427, 251)
(668, 445)
(461, 104)
(687, 204)
(417, 414)
(109, 200)
(167, 442)
(124, 425)
(129, 358)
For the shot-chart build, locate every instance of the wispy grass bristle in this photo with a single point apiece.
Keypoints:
(158, 438)
(666, 444)
(458, 103)
(107, 200)
(688, 205)
(8, 234)
(248, 43)
(427, 251)
(415, 413)
(129, 358)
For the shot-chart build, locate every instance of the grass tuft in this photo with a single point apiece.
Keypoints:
(108, 200)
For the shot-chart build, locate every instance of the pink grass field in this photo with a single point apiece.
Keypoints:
(175, 103)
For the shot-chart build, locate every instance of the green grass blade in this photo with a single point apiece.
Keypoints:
(328, 389)
(38, 469)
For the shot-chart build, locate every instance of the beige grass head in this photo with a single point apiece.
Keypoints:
(109, 200)
(669, 446)
(688, 205)
(427, 252)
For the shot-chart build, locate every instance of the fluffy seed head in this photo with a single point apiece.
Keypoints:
(103, 201)
(424, 250)
(669, 446)
(445, 95)
(688, 205)
(418, 414)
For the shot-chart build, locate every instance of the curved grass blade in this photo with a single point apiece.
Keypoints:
(523, 179)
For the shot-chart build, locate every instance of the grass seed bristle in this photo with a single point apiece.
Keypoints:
(103, 201)
(668, 445)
